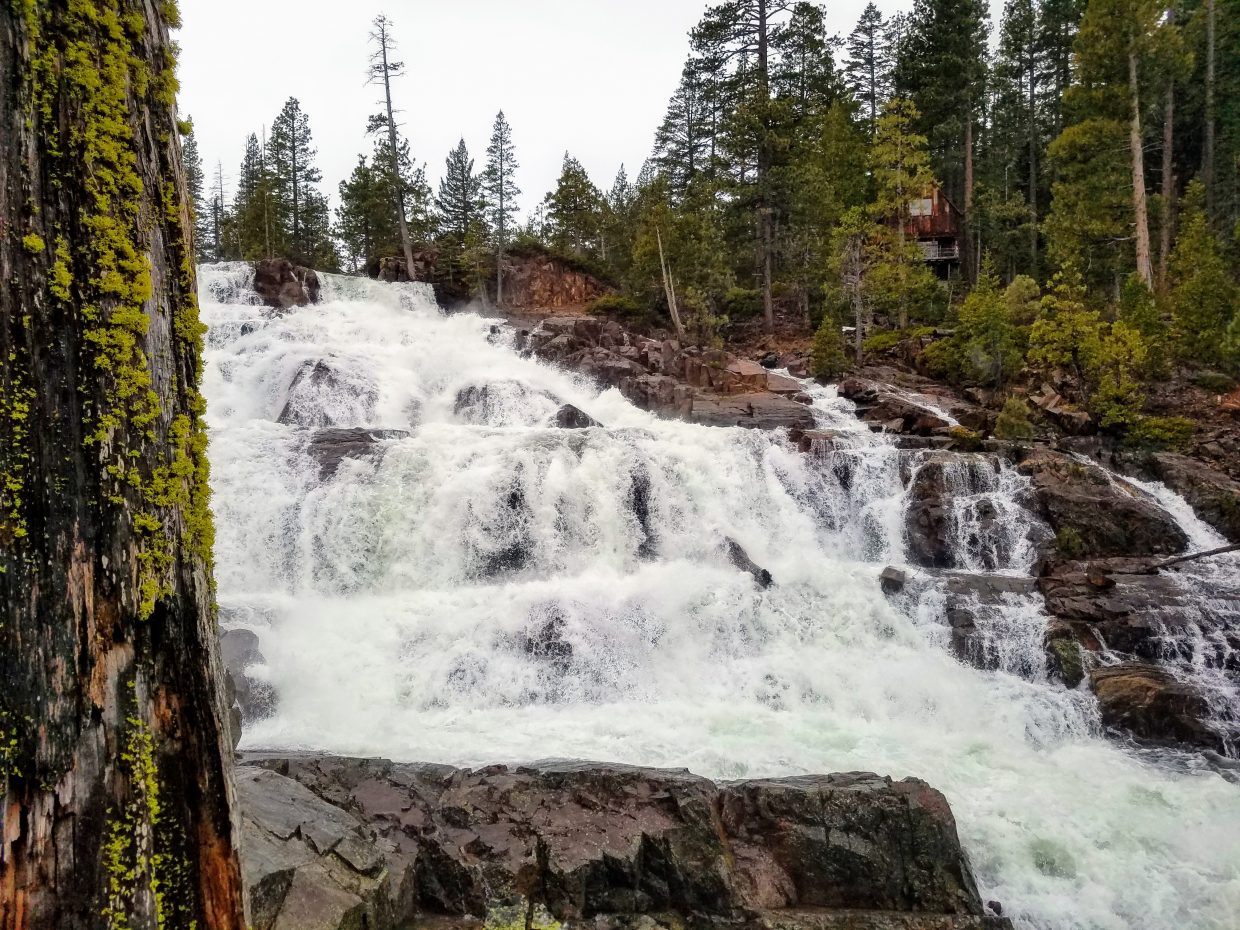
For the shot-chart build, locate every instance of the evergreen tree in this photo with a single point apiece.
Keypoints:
(500, 188)
(686, 141)
(803, 72)
(459, 201)
(827, 360)
(250, 217)
(1204, 297)
(869, 64)
(574, 210)
(195, 183)
(1013, 422)
(990, 337)
(942, 69)
(300, 230)
(382, 69)
(900, 165)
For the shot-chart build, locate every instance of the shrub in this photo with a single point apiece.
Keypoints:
(888, 339)
(1161, 432)
(741, 303)
(827, 359)
(1069, 543)
(964, 439)
(1014, 422)
(616, 304)
(1215, 382)
(944, 360)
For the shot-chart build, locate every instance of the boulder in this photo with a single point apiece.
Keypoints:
(1214, 497)
(740, 558)
(383, 845)
(282, 285)
(570, 417)
(755, 411)
(1095, 516)
(1149, 703)
(255, 699)
(330, 447)
(321, 395)
(892, 580)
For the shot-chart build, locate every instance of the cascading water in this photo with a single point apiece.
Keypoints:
(484, 587)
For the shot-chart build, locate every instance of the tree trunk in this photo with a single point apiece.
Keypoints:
(669, 289)
(115, 759)
(1207, 161)
(1167, 218)
(1032, 78)
(405, 241)
(970, 269)
(1140, 209)
(764, 167)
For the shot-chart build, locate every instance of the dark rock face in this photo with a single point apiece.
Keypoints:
(1150, 703)
(570, 417)
(255, 699)
(370, 840)
(971, 603)
(330, 447)
(740, 558)
(282, 285)
(1214, 497)
(1096, 517)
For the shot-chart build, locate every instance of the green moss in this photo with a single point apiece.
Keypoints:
(34, 244)
(964, 439)
(90, 68)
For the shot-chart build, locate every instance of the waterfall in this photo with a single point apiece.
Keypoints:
(470, 584)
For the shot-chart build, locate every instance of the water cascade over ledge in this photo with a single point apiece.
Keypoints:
(479, 585)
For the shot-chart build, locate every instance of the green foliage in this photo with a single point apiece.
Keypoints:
(989, 339)
(703, 326)
(888, 339)
(1174, 433)
(1069, 543)
(827, 360)
(1215, 381)
(1014, 422)
(965, 439)
(742, 303)
(574, 209)
(1204, 297)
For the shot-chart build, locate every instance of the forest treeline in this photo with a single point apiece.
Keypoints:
(1092, 150)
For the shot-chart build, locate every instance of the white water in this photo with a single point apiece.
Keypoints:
(391, 627)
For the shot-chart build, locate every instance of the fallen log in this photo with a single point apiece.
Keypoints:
(1192, 557)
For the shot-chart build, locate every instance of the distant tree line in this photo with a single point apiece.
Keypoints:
(1093, 152)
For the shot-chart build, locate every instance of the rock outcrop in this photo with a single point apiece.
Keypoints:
(709, 387)
(1214, 497)
(1150, 703)
(1095, 516)
(330, 447)
(282, 285)
(335, 843)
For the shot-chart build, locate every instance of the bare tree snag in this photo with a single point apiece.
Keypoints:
(115, 761)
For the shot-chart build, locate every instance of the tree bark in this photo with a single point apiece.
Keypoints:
(669, 289)
(765, 218)
(1207, 163)
(1140, 209)
(115, 759)
(1032, 79)
(1167, 211)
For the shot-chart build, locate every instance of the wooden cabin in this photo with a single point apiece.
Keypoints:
(937, 226)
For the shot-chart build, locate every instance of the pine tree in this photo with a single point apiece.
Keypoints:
(382, 69)
(803, 74)
(942, 70)
(1204, 297)
(869, 64)
(827, 360)
(298, 209)
(574, 211)
(459, 201)
(1013, 422)
(900, 165)
(195, 183)
(990, 338)
(251, 210)
(685, 141)
(500, 187)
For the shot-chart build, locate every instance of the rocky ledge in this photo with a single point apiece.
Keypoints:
(706, 386)
(333, 843)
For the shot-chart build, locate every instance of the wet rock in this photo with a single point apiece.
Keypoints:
(754, 411)
(330, 447)
(1214, 497)
(620, 847)
(489, 404)
(255, 698)
(1149, 703)
(972, 605)
(1095, 516)
(769, 360)
(570, 417)
(282, 285)
(892, 580)
(312, 400)
(639, 504)
(740, 558)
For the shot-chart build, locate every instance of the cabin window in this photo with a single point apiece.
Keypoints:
(921, 207)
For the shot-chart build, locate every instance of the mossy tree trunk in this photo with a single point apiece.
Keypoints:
(114, 760)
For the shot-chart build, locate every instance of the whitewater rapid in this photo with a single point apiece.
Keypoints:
(488, 588)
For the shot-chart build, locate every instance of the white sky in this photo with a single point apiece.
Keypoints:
(588, 76)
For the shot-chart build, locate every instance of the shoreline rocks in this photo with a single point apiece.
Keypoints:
(283, 285)
(335, 843)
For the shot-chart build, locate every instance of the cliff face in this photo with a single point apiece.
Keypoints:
(115, 763)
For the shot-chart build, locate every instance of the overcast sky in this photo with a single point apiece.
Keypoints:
(588, 76)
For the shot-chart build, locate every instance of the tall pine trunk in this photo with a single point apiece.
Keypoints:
(1207, 163)
(765, 218)
(1167, 217)
(970, 264)
(1140, 209)
(405, 242)
(1032, 79)
(115, 759)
